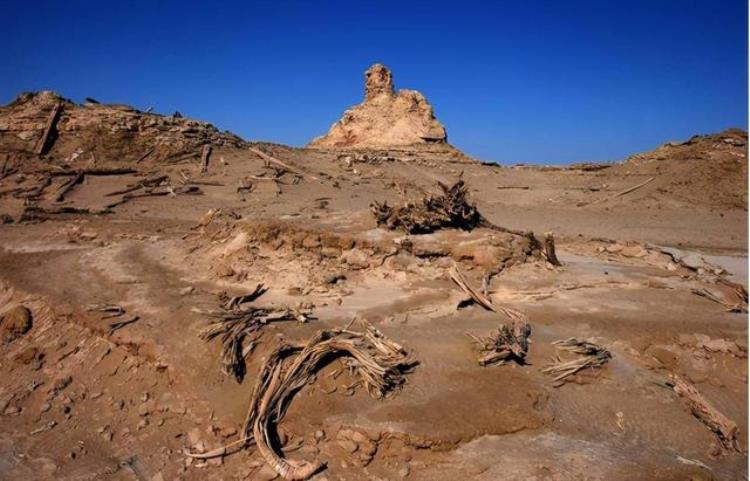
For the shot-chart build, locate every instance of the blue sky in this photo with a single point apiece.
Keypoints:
(524, 81)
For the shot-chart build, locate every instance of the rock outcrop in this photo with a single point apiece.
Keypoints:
(109, 132)
(385, 118)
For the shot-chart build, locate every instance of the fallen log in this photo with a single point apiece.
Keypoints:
(189, 189)
(34, 192)
(143, 157)
(68, 186)
(276, 161)
(89, 171)
(205, 154)
(724, 428)
(41, 144)
(41, 213)
(154, 181)
(482, 299)
(634, 188)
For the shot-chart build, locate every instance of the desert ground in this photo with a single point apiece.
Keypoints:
(127, 236)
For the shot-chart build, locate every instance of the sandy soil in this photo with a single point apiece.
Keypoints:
(79, 402)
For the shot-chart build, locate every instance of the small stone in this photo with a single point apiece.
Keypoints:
(633, 251)
(320, 435)
(15, 321)
(12, 410)
(28, 355)
(348, 445)
(356, 259)
(142, 424)
(62, 383)
(45, 407)
(225, 270)
(194, 436)
(186, 291)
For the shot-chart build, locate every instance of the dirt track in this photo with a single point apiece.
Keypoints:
(141, 395)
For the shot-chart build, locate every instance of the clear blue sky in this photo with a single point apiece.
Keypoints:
(523, 81)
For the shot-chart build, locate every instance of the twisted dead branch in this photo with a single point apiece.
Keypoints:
(240, 328)
(458, 278)
(591, 355)
(507, 344)
(379, 363)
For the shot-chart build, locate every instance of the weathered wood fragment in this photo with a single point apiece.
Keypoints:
(41, 145)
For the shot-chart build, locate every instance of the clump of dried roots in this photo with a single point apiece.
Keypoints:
(449, 209)
(591, 355)
(240, 327)
(379, 363)
(507, 344)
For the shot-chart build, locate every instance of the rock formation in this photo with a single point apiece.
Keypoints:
(109, 132)
(385, 118)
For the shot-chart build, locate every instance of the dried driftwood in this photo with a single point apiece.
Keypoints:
(549, 249)
(143, 157)
(35, 191)
(35, 212)
(117, 325)
(185, 189)
(240, 328)
(205, 155)
(274, 160)
(591, 355)
(110, 311)
(458, 278)
(148, 182)
(507, 344)
(379, 363)
(234, 302)
(89, 171)
(449, 209)
(68, 186)
(41, 144)
(724, 428)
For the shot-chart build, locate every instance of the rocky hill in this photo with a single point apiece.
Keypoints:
(706, 170)
(46, 124)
